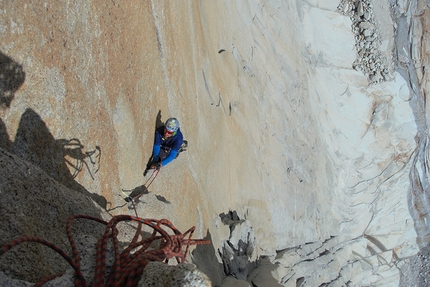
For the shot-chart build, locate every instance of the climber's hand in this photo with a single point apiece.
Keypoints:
(156, 165)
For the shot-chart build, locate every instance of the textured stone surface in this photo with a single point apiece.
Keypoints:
(32, 203)
(230, 281)
(264, 274)
(6, 281)
(157, 274)
(317, 156)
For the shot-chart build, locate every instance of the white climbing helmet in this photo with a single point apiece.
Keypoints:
(172, 125)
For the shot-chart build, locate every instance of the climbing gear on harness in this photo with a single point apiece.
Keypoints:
(183, 147)
(127, 197)
(172, 125)
(165, 148)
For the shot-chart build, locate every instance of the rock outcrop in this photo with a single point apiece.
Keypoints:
(371, 57)
(157, 274)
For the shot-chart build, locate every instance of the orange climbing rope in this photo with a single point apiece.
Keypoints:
(129, 264)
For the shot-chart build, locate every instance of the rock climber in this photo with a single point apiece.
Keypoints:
(168, 142)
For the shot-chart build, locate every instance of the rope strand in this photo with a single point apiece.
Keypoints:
(127, 267)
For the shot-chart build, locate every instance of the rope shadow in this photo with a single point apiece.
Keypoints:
(34, 143)
(74, 150)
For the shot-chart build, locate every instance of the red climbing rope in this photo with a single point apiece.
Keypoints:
(129, 264)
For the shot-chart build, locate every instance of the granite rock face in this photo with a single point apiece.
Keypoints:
(157, 274)
(237, 252)
(34, 204)
(307, 118)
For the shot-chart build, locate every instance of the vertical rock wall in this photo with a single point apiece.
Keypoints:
(296, 114)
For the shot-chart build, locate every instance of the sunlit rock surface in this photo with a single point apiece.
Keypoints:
(306, 118)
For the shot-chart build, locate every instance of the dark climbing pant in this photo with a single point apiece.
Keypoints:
(164, 152)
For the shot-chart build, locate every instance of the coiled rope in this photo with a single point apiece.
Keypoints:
(128, 264)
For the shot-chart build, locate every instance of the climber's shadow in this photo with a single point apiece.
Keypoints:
(35, 144)
(142, 190)
(136, 196)
(158, 123)
(135, 193)
(12, 76)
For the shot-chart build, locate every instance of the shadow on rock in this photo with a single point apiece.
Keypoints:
(137, 192)
(132, 197)
(162, 199)
(158, 123)
(137, 196)
(237, 253)
(240, 262)
(205, 259)
(12, 77)
(76, 158)
(39, 194)
(35, 144)
(5, 143)
(33, 204)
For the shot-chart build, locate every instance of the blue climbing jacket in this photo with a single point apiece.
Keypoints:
(173, 143)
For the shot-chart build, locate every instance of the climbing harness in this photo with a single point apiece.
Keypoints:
(128, 265)
(131, 200)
